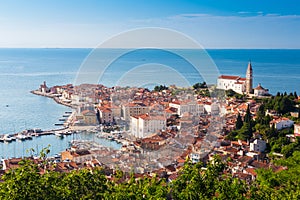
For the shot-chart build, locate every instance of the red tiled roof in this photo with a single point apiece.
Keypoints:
(229, 77)
(251, 171)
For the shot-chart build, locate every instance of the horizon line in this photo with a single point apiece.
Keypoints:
(209, 48)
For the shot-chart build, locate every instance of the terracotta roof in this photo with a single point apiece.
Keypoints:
(87, 112)
(149, 117)
(251, 171)
(259, 87)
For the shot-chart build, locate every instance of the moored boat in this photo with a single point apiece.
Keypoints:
(7, 138)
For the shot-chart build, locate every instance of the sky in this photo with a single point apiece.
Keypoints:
(88, 23)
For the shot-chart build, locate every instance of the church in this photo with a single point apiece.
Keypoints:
(241, 85)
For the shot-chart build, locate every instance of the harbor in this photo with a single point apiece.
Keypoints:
(58, 140)
(30, 142)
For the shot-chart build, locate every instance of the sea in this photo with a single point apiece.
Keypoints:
(23, 70)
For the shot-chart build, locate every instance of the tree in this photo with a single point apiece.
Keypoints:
(239, 122)
(197, 86)
(247, 117)
(98, 116)
(230, 93)
(160, 88)
(295, 95)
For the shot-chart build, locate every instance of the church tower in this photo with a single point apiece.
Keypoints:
(249, 79)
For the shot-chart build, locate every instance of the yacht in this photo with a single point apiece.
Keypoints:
(7, 138)
(59, 134)
(21, 137)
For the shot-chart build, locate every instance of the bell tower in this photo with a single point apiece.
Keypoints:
(249, 79)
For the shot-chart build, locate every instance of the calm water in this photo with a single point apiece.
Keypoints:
(22, 70)
(20, 148)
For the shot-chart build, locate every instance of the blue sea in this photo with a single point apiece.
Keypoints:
(23, 70)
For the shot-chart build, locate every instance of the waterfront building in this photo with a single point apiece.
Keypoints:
(89, 117)
(143, 125)
(106, 115)
(238, 84)
(44, 88)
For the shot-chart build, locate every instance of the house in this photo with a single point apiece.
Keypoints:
(106, 115)
(89, 117)
(192, 107)
(297, 130)
(195, 157)
(77, 155)
(260, 91)
(11, 163)
(143, 125)
(258, 145)
(282, 123)
(133, 109)
(169, 111)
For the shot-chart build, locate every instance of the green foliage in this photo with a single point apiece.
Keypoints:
(160, 88)
(231, 93)
(239, 122)
(200, 86)
(284, 184)
(282, 103)
(195, 181)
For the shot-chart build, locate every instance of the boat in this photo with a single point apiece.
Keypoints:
(68, 133)
(28, 136)
(59, 124)
(7, 138)
(110, 138)
(35, 134)
(21, 137)
(59, 134)
(62, 119)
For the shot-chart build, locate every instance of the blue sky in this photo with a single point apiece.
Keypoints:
(212, 23)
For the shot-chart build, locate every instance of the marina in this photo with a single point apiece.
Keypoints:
(11, 147)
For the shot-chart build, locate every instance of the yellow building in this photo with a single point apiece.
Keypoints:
(89, 117)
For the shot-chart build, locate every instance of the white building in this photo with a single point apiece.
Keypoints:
(235, 83)
(282, 123)
(195, 157)
(258, 145)
(192, 107)
(260, 91)
(297, 130)
(143, 125)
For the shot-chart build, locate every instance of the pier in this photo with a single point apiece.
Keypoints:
(28, 134)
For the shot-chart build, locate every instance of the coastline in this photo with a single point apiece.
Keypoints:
(67, 124)
(54, 97)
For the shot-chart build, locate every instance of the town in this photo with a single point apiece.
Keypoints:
(161, 129)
